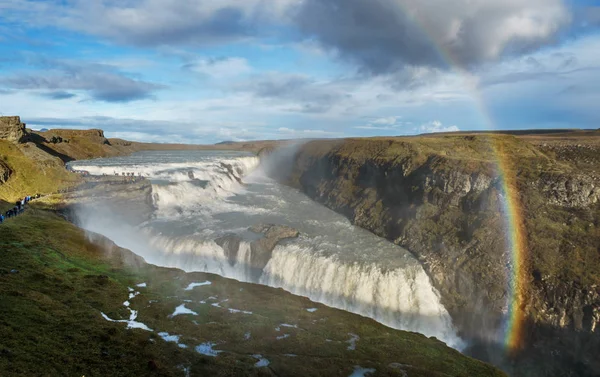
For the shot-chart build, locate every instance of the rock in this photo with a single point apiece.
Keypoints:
(12, 129)
(5, 172)
(577, 191)
(231, 245)
(262, 249)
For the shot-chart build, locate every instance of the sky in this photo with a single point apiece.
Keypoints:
(206, 71)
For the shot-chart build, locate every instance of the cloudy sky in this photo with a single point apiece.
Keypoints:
(204, 71)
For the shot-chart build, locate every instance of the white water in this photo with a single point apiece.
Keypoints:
(332, 261)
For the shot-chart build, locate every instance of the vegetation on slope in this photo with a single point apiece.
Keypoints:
(55, 281)
(32, 171)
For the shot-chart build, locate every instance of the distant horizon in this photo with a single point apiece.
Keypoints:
(248, 70)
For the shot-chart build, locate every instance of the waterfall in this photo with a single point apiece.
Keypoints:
(332, 262)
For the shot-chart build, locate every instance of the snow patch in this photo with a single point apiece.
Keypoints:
(283, 336)
(352, 341)
(262, 362)
(194, 285)
(142, 285)
(181, 309)
(207, 349)
(131, 323)
(171, 338)
(247, 336)
(361, 372)
(312, 310)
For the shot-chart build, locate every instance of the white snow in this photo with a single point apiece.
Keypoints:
(352, 341)
(361, 372)
(247, 336)
(283, 336)
(194, 285)
(311, 310)
(207, 349)
(262, 362)
(288, 325)
(231, 310)
(181, 309)
(131, 323)
(171, 338)
(141, 285)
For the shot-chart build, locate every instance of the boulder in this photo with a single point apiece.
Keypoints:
(262, 249)
(231, 245)
(12, 129)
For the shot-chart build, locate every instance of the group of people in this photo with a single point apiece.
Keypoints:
(125, 174)
(18, 208)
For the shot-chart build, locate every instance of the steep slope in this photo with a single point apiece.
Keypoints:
(441, 198)
(30, 170)
(73, 303)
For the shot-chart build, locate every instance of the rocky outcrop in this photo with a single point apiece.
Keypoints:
(12, 129)
(261, 249)
(5, 172)
(57, 136)
(437, 211)
(448, 212)
(231, 246)
(578, 191)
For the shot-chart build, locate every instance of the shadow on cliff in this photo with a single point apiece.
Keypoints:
(40, 142)
(547, 351)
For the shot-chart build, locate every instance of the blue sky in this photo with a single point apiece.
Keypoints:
(207, 71)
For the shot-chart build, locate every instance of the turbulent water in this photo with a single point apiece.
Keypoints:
(201, 196)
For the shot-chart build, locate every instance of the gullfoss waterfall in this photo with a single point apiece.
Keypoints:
(206, 203)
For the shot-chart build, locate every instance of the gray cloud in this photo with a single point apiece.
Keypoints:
(304, 94)
(155, 22)
(102, 82)
(385, 35)
(59, 95)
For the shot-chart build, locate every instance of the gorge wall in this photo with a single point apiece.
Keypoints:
(440, 198)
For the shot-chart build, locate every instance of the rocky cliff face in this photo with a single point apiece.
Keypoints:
(5, 172)
(12, 129)
(444, 206)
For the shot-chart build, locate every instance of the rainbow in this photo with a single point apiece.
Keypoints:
(512, 332)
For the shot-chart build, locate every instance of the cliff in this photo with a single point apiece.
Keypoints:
(12, 129)
(441, 198)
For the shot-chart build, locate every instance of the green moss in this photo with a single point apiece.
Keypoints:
(51, 323)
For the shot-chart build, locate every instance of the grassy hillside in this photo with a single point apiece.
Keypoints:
(55, 281)
(32, 171)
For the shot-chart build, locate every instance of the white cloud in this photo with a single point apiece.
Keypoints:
(221, 68)
(437, 126)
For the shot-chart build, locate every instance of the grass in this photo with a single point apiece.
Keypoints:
(50, 322)
(31, 176)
